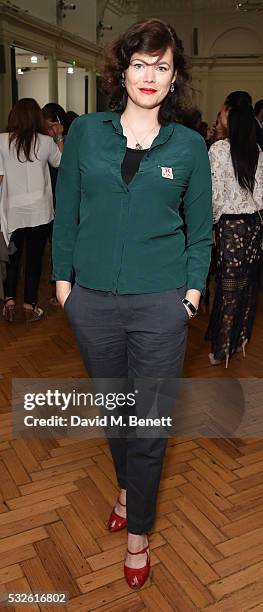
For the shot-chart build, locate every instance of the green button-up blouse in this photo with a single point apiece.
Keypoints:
(131, 238)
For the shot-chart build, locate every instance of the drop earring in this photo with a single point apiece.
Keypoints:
(172, 88)
(123, 82)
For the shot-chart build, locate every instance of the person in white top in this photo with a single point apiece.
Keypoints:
(237, 187)
(26, 204)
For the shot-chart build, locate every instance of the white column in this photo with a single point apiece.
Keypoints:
(5, 87)
(197, 87)
(92, 92)
(76, 91)
(52, 79)
(205, 92)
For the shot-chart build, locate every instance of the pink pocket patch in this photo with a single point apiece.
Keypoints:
(167, 172)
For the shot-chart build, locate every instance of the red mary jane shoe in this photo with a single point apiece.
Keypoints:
(137, 576)
(117, 522)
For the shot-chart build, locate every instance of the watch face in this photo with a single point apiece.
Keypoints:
(190, 306)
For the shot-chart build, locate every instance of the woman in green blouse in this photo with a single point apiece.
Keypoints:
(139, 275)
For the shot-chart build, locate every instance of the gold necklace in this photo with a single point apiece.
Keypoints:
(138, 145)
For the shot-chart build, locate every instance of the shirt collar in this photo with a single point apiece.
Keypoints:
(165, 131)
(114, 117)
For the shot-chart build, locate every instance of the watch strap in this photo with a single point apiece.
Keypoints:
(191, 307)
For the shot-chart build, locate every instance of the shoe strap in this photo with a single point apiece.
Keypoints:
(140, 552)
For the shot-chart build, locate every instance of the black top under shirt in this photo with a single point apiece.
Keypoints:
(131, 162)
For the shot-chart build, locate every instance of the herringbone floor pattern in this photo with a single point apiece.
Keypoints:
(56, 495)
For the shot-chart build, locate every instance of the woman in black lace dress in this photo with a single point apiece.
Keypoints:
(237, 178)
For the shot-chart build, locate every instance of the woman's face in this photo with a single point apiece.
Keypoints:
(148, 78)
(53, 127)
(224, 117)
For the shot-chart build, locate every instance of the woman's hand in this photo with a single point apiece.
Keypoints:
(59, 129)
(63, 289)
(211, 132)
(54, 128)
(193, 295)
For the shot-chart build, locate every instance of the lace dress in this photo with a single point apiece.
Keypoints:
(238, 250)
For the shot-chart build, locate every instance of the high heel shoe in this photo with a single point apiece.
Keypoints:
(117, 522)
(241, 348)
(216, 362)
(137, 576)
(33, 314)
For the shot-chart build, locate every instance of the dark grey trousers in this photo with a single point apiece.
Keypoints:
(132, 337)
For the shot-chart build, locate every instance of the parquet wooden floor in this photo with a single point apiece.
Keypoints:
(56, 495)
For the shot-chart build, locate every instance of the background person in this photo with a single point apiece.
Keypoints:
(237, 179)
(70, 117)
(57, 126)
(216, 131)
(26, 199)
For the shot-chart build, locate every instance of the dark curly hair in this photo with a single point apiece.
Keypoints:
(154, 37)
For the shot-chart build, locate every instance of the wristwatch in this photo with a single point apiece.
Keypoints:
(191, 307)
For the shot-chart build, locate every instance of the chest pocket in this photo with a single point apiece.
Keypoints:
(167, 177)
(171, 175)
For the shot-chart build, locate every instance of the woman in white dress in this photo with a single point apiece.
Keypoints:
(26, 203)
(237, 180)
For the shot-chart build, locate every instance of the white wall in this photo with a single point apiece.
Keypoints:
(237, 40)
(71, 88)
(76, 91)
(34, 84)
(62, 87)
(217, 81)
(82, 21)
(45, 9)
(119, 25)
(212, 18)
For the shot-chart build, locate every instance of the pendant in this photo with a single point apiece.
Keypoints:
(138, 147)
